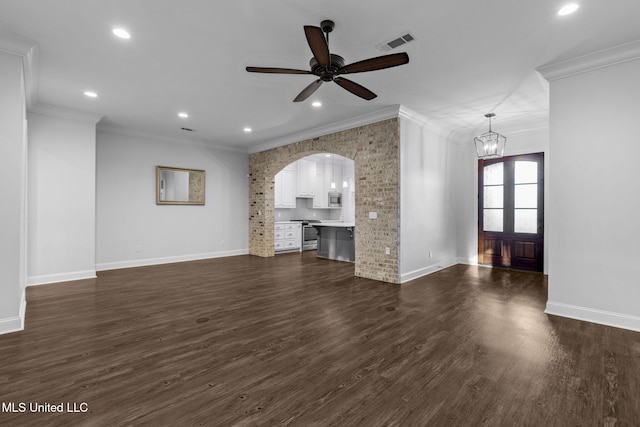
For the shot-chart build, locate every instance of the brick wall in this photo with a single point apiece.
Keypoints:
(375, 151)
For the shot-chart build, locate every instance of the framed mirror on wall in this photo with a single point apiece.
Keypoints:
(179, 186)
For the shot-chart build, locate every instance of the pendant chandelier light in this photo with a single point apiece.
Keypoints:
(490, 145)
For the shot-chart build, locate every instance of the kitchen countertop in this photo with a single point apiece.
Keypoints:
(334, 224)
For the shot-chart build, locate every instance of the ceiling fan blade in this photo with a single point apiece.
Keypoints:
(276, 70)
(318, 44)
(307, 91)
(355, 88)
(378, 63)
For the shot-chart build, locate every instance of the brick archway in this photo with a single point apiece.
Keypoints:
(374, 148)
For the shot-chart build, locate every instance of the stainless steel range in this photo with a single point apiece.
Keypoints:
(309, 234)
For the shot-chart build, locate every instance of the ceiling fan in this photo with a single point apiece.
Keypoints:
(330, 67)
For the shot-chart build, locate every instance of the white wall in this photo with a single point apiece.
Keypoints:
(594, 204)
(61, 189)
(465, 189)
(12, 192)
(519, 141)
(426, 201)
(132, 230)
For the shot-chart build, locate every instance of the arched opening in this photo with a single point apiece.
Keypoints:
(313, 194)
(374, 150)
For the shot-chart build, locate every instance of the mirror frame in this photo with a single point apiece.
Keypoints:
(201, 190)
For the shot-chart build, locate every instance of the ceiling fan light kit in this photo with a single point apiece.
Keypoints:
(490, 145)
(330, 67)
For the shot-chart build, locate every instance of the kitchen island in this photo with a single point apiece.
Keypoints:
(336, 241)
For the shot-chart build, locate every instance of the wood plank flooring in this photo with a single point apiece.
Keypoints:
(296, 340)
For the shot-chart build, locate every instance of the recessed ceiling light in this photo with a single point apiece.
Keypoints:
(122, 33)
(248, 129)
(316, 104)
(183, 115)
(568, 9)
(90, 94)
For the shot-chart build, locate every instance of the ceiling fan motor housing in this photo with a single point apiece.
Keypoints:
(327, 74)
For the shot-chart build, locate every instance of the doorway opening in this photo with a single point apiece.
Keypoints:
(511, 212)
(319, 188)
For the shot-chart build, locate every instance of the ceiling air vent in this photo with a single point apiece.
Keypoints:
(399, 41)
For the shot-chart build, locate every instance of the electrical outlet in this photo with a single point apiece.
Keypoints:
(373, 215)
(138, 248)
(430, 254)
(387, 250)
(278, 214)
(221, 242)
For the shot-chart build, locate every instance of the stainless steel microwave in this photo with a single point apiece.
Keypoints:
(335, 199)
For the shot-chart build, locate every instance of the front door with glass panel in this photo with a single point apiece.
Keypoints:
(511, 212)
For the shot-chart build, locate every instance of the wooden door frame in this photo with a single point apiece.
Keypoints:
(509, 242)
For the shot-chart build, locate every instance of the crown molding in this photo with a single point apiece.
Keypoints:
(31, 66)
(414, 116)
(15, 45)
(365, 119)
(592, 61)
(135, 133)
(64, 113)
(29, 51)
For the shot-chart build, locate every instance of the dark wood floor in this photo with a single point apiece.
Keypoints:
(295, 340)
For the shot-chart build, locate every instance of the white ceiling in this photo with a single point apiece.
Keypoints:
(469, 58)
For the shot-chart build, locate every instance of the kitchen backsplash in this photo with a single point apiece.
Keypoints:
(304, 210)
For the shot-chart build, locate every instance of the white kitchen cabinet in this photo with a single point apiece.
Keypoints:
(336, 177)
(278, 237)
(285, 188)
(306, 178)
(287, 236)
(328, 172)
(320, 198)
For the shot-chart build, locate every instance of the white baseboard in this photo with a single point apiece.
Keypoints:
(167, 260)
(23, 307)
(608, 318)
(15, 324)
(11, 324)
(62, 277)
(427, 270)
